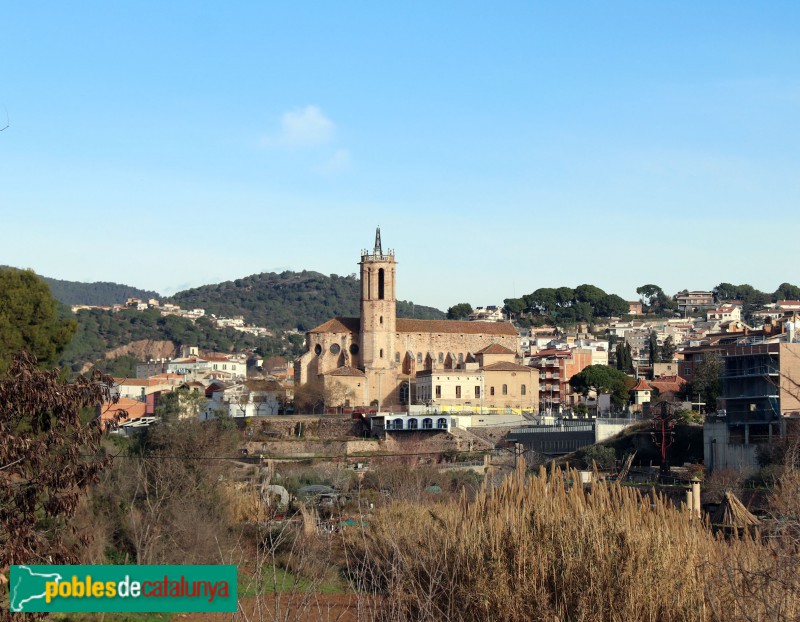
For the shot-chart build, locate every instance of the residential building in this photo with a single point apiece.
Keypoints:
(760, 390)
(694, 301)
(253, 398)
(556, 367)
(725, 313)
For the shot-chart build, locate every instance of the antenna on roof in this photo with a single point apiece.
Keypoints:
(378, 250)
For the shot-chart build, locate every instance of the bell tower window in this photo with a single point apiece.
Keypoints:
(380, 284)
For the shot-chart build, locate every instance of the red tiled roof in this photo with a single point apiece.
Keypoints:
(346, 371)
(551, 352)
(132, 408)
(642, 386)
(405, 325)
(339, 325)
(668, 384)
(495, 348)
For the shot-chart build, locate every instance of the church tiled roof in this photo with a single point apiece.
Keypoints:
(405, 325)
(339, 325)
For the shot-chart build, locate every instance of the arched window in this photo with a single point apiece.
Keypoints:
(505, 389)
(380, 286)
(441, 423)
(427, 424)
(397, 424)
(419, 358)
(523, 390)
(413, 424)
(441, 357)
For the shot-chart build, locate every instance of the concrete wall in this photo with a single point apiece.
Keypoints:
(484, 421)
(718, 453)
(607, 428)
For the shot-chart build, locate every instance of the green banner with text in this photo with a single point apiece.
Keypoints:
(66, 589)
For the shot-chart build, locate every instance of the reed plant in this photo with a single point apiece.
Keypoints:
(543, 548)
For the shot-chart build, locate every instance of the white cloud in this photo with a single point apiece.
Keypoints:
(339, 162)
(305, 127)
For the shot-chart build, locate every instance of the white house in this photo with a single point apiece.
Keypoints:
(254, 398)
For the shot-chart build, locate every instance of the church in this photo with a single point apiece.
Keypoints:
(378, 360)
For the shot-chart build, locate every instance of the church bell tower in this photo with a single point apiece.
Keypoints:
(378, 312)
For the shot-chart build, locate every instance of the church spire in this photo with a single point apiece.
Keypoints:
(378, 250)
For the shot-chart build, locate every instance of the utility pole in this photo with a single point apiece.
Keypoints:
(663, 435)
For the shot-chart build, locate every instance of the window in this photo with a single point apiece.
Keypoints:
(335, 348)
(477, 391)
(438, 390)
(412, 424)
(505, 389)
(224, 367)
(317, 351)
(523, 390)
(441, 423)
(441, 357)
(460, 358)
(427, 424)
(381, 353)
(396, 357)
(380, 286)
(354, 349)
(215, 365)
(458, 392)
(419, 358)
(491, 390)
(380, 320)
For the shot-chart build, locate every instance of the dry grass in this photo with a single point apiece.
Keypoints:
(538, 549)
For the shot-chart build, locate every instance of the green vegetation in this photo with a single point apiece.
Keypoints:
(564, 305)
(96, 294)
(705, 386)
(29, 319)
(603, 379)
(100, 331)
(656, 301)
(289, 300)
(601, 455)
(751, 298)
(461, 311)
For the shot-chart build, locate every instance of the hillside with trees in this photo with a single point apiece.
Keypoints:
(289, 300)
(99, 331)
(565, 305)
(100, 293)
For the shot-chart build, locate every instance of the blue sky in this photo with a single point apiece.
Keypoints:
(500, 148)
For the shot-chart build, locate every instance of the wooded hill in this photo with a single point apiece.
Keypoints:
(280, 302)
(289, 300)
(95, 294)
